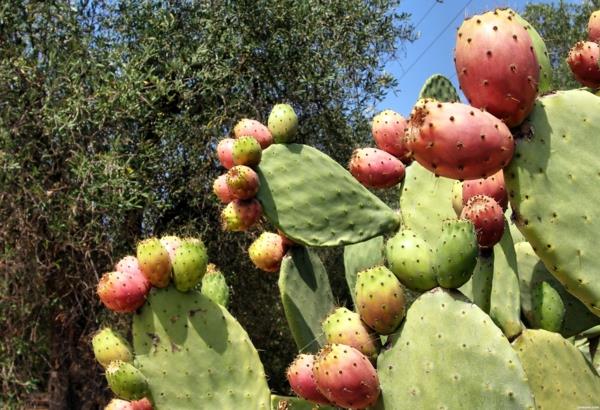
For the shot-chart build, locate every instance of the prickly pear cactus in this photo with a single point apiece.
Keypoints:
(494, 286)
(439, 88)
(306, 297)
(194, 354)
(315, 201)
(294, 403)
(426, 202)
(559, 376)
(448, 345)
(552, 186)
(361, 256)
(532, 272)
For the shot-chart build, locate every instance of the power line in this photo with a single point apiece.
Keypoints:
(435, 39)
(426, 14)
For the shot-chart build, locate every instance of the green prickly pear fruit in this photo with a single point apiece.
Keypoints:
(411, 259)
(457, 202)
(126, 381)
(109, 345)
(345, 327)
(283, 123)
(189, 264)
(456, 254)
(214, 286)
(154, 261)
(380, 299)
(246, 151)
(548, 308)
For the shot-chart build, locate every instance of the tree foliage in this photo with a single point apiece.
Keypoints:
(561, 25)
(109, 116)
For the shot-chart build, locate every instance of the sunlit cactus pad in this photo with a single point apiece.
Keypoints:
(450, 355)
(315, 201)
(196, 355)
(558, 374)
(440, 88)
(553, 188)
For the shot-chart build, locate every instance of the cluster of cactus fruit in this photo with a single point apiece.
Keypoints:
(460, 300)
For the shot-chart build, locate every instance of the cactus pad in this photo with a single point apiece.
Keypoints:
(425, 202)
(552, 185)
(361, 256)
(425, 368)
(306, 297)
(531, 272)
(558, 374)
(294, 403)
(439, 88)
(196, 355)
(315, 201)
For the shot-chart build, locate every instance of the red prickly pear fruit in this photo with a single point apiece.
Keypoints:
(123, 292)
(242, 182)
(118, 404)
(583, 61)
(246, 151)
(240, 215)
(302, 381)
(171, 243)
(222, 191)
(267, 252)
(388, 132)
(496, 65)
(109, 345)
(375, 168)
(457, 202)
(458, 141)
(225, 152)
(129, 265)
(142, 404)
(155, 262)
(594, 27)
(346, 377)
(345, 326)
(492, 186)
(487, 217)
(380, 299)
(254, 129)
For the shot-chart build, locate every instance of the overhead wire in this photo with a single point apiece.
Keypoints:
(462, 9)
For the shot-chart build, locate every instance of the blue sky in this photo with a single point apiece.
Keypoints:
(428, 55)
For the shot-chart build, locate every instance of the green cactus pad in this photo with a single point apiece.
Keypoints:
(425, 202)
(439, 88)
(361, 256)
(558, 374)
(450, 355)
(196, 355)
(315, 201)
(494, 286)
(541, 53)
(531, 272)
(552, 183)
(294, 403)
(306, 297)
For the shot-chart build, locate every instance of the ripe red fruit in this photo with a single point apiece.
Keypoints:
(487, 217)
(583, 61)
(375, 168)
(302, 381)
(492, 186)
(388, 132)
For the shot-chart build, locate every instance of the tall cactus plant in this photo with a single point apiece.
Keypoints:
(465, 348)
